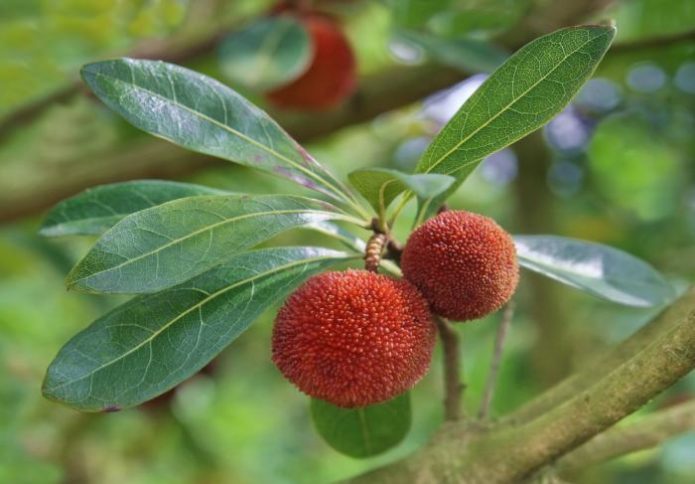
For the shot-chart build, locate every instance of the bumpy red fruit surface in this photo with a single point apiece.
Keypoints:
(331, 75)
(354, 338)
(463, 263)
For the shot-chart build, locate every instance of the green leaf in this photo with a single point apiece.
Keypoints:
(481, 20)
(97, 209)
(164, 245)
(535, 84)
(345, 237)
(415, 13)
(203, 115)
(600, 270)
(266, 54)
(380, 186)
(154, 342)
(465, 54)
(363, 432)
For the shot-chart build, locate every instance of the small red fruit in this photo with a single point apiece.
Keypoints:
(354, 338)
(331, 75)
(463, 263)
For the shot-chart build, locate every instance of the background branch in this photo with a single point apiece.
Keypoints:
(646, 433)
(586, 377)
(498, 349)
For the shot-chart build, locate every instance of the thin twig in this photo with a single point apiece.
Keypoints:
(453, 386)
(491, 382)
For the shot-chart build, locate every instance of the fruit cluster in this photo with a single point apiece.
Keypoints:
(355, 338)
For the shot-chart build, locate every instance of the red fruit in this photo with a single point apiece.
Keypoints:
(354, 338)
(463, 263)
(330, 77)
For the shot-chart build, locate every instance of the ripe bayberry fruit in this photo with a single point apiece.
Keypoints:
(463, 263)
(331, 75)
(354, 338)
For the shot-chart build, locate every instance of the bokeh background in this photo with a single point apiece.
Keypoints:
(616, 167)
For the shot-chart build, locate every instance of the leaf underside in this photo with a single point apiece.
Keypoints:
(602, 271)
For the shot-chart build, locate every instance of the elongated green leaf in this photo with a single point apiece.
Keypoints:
(96, 209)
(535, 84)
(467, 54)
(600, 270)
(347, 238)
(203, 115)
(266, 54)
(380, 186)
(164, 245)
(363, 432)
(154, 342)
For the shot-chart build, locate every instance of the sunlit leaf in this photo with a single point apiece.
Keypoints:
(363, 432)
(154, 342)
(203, 115)
(380, 186)
(600, 270)
(97, 209)
(266, 54)
(535, 84)
(164, 245)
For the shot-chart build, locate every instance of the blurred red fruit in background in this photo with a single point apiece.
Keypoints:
(331, 75)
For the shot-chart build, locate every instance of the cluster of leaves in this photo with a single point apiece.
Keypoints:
(187, 252)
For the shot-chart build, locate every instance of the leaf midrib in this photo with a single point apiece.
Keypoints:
(193, 234)
(193, 308)
(505, 108)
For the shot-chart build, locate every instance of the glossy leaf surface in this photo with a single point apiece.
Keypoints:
(97, 209)
(154, 342)
(535, 84)
(162, 246)
(203, 115)
(600, 270)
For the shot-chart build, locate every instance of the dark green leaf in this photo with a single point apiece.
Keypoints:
(600, 270)
(380, 186)
(154, 342)
(96, 209)
(535, 84)
(363, 432)
(203, 115)
(266, 54)
(164, 245)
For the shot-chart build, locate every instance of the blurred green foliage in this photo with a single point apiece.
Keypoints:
(620, 172)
